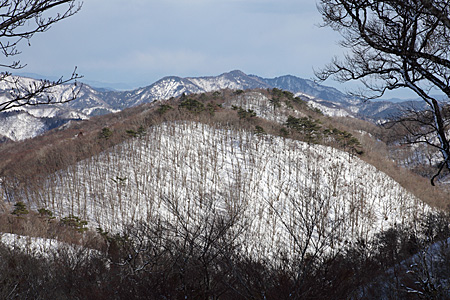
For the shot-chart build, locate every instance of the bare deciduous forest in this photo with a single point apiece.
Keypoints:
(235, 194)
(226, 195)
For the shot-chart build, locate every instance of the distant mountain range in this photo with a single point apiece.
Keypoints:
(29, 122)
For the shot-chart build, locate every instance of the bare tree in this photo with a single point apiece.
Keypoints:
(19, 21)
(396, 44)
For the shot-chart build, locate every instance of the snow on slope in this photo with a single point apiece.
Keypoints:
(216, 85)
(260, 104)
(92, 102)
(44, 247)
(19, 123)
(11, 81)
(275, 188)
(31, 245)
(173, 86)
(23, 85)
(326, 107)
(52, 111)
(21, 126)
(235, 80)
(327, 110)
(164, 89)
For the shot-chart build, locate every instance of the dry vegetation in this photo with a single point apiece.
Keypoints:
(382, 152)
(202, 256)
(27, 162)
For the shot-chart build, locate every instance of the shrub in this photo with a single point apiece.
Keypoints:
(284, 132)
(289, 104)
(307, 126)
(141, 132)
(20, 209)
(288, 95)
(163, 108)
(131, 132)
(43, 212)
(276, 102)
(344, 140)
(299, 101)
(192, 105)
(74, 222)
(277, 93)
(243, 114)
(317, 110)
(105, 133)
(259, 130)
(211, 107)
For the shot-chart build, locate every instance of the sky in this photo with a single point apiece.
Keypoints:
(137, 42)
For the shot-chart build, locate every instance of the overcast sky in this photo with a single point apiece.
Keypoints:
(138, 42)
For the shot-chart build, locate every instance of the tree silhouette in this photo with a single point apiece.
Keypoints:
(396, 44)
(20, 20)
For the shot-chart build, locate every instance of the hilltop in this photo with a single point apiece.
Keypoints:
(25, 123)
(227, 180)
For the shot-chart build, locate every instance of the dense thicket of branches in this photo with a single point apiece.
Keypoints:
(157, 261)
(19, 21)
(397, 44)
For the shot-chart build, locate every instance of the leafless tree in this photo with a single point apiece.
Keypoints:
(396, 44)
(20, 20)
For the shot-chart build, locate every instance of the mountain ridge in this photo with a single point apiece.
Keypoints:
(92, 101)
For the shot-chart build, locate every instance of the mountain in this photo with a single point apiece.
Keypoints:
(298, 85)
(212, 195)
(329, 99)
(91, 101)
(381, 110)
(173, 86)
(274, 189)
(151, 176)
(29, 121)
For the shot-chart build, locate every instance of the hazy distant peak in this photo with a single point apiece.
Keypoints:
(92, 102)
(235, 73)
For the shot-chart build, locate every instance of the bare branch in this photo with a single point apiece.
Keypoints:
(20, 20)
(396, 44)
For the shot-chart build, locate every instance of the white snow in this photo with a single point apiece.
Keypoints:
(21, 126)
(35, 246)
(275, 187)
(260, 104)
(44, 247)
(329, 111)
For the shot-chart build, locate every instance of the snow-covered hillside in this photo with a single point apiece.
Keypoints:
(280, 193)
(23, 122)
(21, 125)
(259, 103)
(91, 102)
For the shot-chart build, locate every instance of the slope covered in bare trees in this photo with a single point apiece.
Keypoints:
(233, 194)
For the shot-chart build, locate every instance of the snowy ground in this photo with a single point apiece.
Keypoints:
(260, 104)
(21, 126)
(282, 194)
(45, 248)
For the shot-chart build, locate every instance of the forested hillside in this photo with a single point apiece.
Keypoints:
(228, 195)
